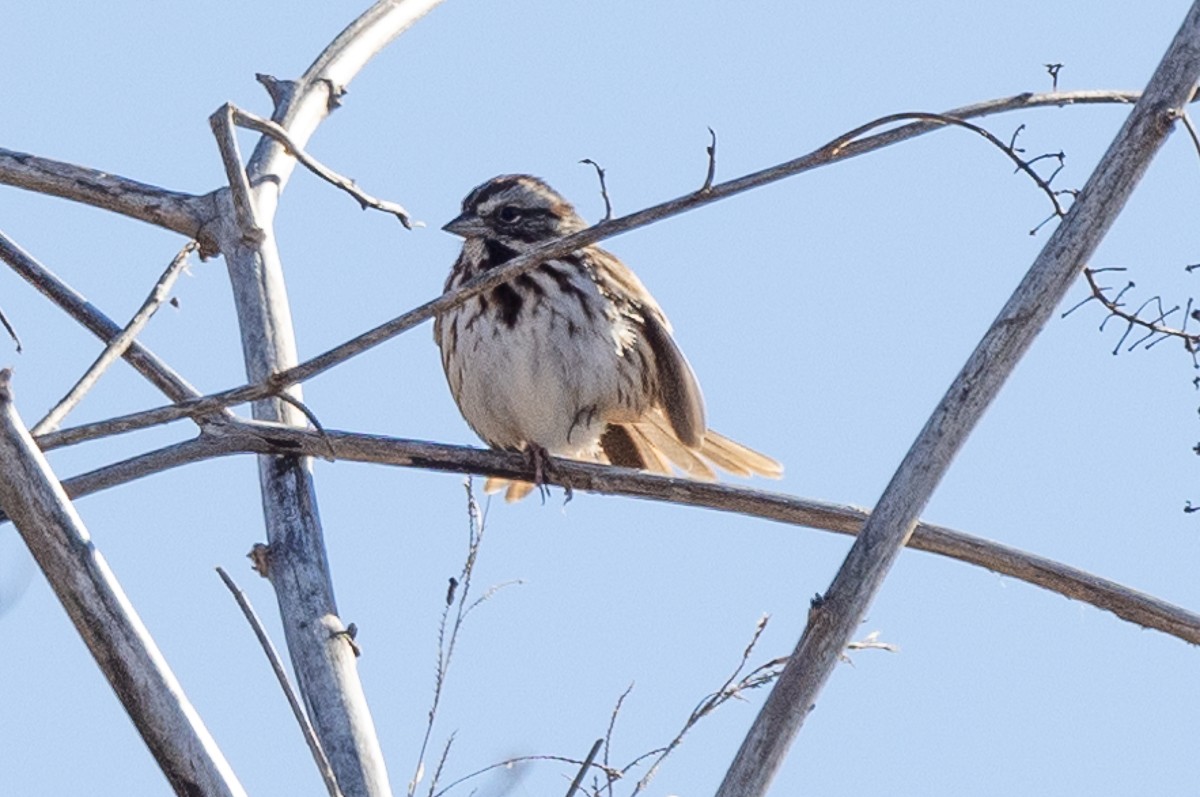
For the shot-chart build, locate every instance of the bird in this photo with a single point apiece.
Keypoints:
(573, 358)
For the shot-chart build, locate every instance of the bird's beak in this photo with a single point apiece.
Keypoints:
(466, 225)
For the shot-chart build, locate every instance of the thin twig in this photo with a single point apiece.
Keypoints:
(731, 688)
(603, 188)
(871, 642)
(1153, 326)
(711, 149)
(437, 773)
(12, 332)
(447, 643)
(1186, 118)
(264, 641)
(268, 128)
(288, 398)
(587, 764)
(612, 724)
(117, 347)
(509, 762)
(952, 120)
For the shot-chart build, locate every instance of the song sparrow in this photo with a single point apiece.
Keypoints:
(573, 358)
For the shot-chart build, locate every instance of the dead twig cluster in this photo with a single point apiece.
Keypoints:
(1148, 319)
(458, 607)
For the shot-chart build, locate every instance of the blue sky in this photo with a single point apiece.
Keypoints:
(824, 317)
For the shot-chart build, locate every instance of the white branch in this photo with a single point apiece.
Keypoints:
(103, 615)
(325, 665)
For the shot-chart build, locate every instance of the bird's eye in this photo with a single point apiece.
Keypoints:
(508, 214)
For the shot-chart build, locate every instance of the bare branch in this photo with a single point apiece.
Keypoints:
(221, 122)
(1186, 118)
(236, 436)
(326, 673)
(264, 641)
(442, 759)
(712, 162)
(186, 214)
(103, 615)
(267, 127)
(12, 333)
(522, 759)
(730, 689)
(603, 188)
(844, 604)
(117, 347)
(608, 734)
(518, 265)
(457, 598)
(1154, 328)
(145, 362)
(948, 119)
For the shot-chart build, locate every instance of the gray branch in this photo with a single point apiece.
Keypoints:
(240, 437)
(297, 566)
(103, 615)
(836, 615)
(172, 210)
(116, 348)
(144, 361)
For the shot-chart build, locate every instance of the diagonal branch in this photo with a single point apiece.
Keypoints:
(172, 210)
(268, 128)
(145, 362)
(237, 437)
(838, 613)
(264, 641)
(102, 614)
(116, 347)
(324, 661)
(837, 150)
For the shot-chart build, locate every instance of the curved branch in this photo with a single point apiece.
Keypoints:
(242, 437)
(302, 106)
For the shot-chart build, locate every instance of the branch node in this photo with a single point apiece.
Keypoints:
(260, 559)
